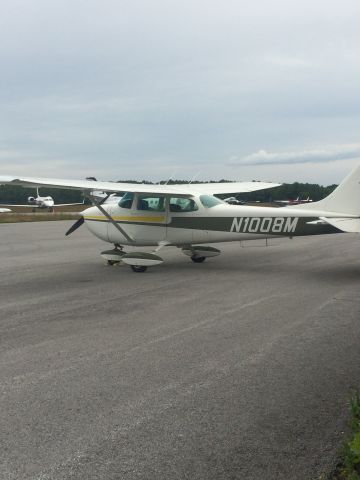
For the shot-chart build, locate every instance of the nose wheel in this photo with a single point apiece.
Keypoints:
(138, 268)
(197, 259)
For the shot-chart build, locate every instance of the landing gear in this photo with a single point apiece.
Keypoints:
(197, 259)
(199, 253)
(112, 262)
(138, 261)
(138, 268)
(113, 257)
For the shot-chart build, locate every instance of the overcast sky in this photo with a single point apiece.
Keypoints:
(149, 89)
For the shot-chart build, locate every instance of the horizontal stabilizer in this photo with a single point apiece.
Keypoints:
(348, 225)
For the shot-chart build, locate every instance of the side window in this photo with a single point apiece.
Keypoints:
(152, 203)
(182, 205)
(127, 200)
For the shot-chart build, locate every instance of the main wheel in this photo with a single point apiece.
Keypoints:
(138, 268)
(197, 259)
(111, 262)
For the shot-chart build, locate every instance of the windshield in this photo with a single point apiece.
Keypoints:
(210, 201)
(127, 200)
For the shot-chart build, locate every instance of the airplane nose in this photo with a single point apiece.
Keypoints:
(90, 212)
(96, 223)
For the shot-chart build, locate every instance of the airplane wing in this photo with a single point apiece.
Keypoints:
(211, 188)
(16, 205)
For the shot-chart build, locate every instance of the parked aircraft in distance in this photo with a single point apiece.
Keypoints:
(42, 203)
(99, 195)
(294, 202)
(234, 201)
(190, 216)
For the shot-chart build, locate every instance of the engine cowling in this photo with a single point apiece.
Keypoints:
(31, 200)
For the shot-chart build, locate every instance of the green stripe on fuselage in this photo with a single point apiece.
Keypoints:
(287, 226)
(279, 226)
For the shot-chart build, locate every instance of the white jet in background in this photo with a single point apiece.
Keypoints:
(43, 203)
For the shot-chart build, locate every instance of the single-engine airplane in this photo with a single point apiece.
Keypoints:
(42, 202)
(190, 216)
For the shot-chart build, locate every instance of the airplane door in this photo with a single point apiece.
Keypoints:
(144, 222)
(182, 220)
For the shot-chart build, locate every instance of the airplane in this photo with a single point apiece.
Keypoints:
(42, 202)
(234, 201)
(5, 210)
(190, 216)
(100, 195)
(294, 202)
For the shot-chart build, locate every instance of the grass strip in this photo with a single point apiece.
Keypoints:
(349, 467)
(36, 217)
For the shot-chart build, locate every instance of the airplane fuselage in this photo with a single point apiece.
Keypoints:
(41, 202)
(218, 223)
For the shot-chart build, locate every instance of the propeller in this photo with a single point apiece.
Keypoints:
(75, 226)
(81, 220)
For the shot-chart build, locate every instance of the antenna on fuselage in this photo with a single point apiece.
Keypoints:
(171, 176)
(195, 176)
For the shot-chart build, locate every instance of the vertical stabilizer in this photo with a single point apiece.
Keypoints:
(344, 199)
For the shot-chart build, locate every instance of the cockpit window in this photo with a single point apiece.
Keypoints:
(151, 202)
(182, 205)
(127, 200)
(210, 201)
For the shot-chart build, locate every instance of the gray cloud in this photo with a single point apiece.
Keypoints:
(325, 154)
(134, 88)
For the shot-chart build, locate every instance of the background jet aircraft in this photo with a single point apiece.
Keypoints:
(43, 203)
(101, 196)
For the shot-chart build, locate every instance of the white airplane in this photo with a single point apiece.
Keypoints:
(101, 196)
(5, 210)
(294, 202)
(190, 217)
(42, 202)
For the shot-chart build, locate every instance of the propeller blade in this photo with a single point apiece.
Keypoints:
(75, 226)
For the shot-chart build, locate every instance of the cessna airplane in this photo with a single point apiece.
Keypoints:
(43, 202)
(189, 216)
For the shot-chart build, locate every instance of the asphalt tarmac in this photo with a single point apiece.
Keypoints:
(237, 368)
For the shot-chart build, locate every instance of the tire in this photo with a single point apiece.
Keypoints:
(111, 262)
(197, 259)
(138, 268)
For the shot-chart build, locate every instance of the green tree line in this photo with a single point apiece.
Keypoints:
(288, 191)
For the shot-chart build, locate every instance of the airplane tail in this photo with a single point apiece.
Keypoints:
(344, 201)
